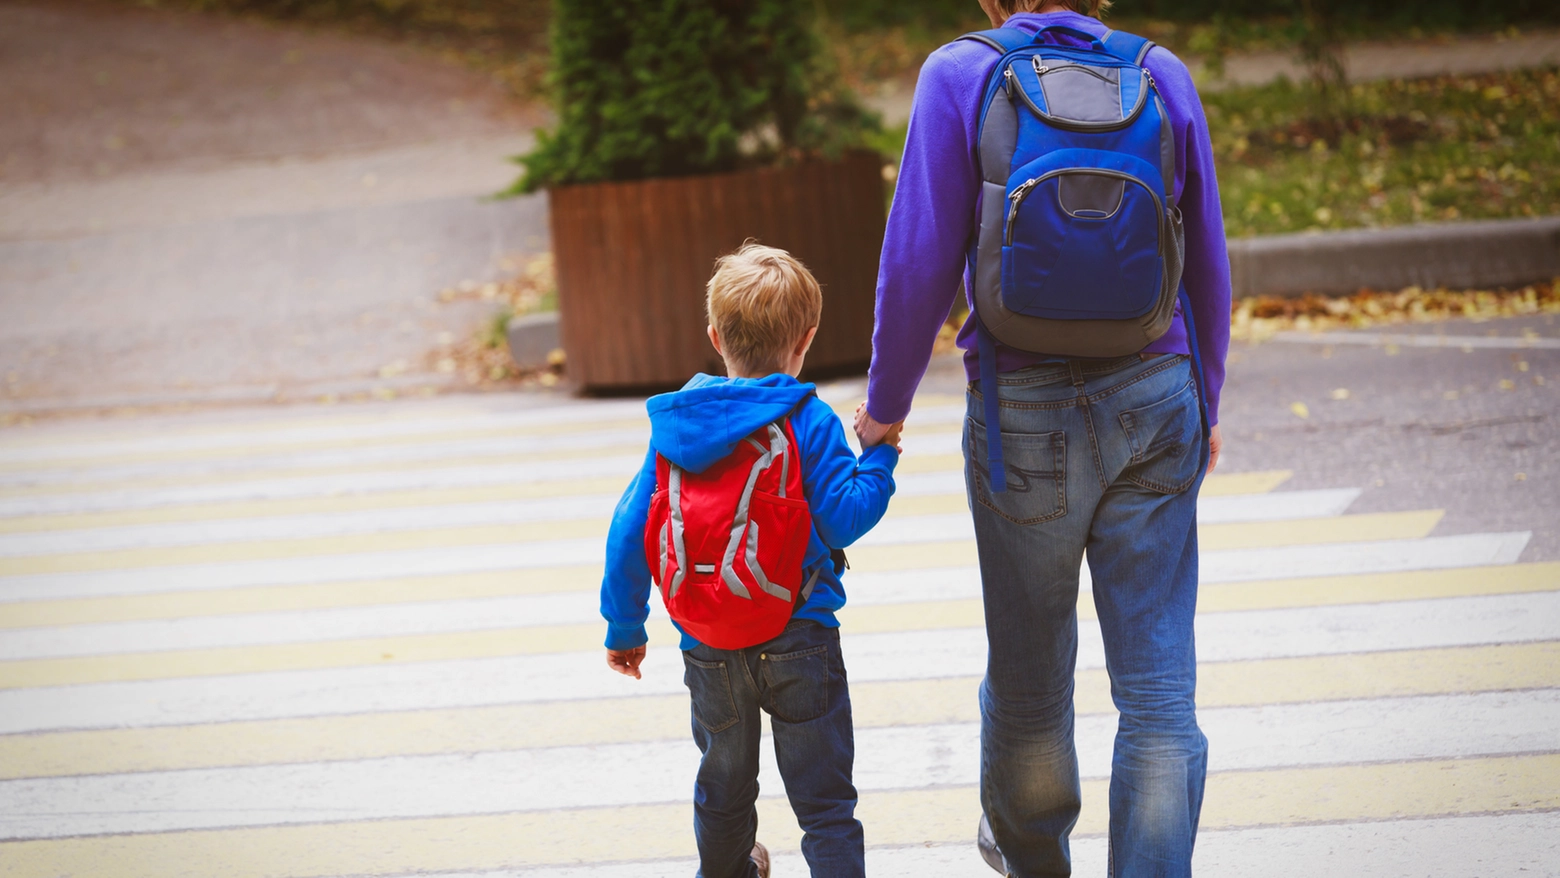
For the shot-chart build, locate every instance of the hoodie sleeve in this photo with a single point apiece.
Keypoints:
(625, 589)
(848, 495)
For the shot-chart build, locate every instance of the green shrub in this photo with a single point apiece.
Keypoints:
(658, 88)
(1422, 13)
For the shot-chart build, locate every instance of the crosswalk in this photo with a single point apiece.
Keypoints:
(283, 644)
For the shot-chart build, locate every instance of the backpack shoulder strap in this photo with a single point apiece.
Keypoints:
(1128, 47)
(1003, 39)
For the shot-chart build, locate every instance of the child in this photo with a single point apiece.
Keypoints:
(763, 310)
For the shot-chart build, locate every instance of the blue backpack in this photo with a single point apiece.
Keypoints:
(1081, 245)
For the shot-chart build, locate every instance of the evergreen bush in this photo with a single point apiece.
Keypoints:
(862, 14)
(664, 88)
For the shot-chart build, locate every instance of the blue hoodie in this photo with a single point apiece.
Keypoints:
(702, 423)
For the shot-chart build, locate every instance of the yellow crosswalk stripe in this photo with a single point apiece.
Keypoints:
(1213, 597)
(1270, 797)
(1211, 537)
(306, 596)
(873, 618)
(626, 720)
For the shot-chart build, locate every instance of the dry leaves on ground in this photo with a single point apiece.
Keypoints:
(482, 358)
(1260, 317)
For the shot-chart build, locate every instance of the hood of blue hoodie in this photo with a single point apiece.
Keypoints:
(698, 425)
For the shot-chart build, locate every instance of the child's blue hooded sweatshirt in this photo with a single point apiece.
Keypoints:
(702, 423)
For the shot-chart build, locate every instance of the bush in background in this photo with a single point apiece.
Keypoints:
(680, 87)
(859, 14)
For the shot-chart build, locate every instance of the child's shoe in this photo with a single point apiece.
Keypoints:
(760, 858)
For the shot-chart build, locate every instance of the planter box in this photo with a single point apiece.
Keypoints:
(632, 260)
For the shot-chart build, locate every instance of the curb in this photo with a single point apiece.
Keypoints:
(1461, 255)
(533, 338)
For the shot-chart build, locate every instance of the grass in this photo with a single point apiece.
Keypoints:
(1388, 153)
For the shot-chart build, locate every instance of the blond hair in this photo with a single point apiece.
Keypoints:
(1095, 8)
(762, 301)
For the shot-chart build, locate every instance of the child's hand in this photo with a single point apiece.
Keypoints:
(892, 436)
(626, 661)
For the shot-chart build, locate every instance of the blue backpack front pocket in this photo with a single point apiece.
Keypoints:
(1082, 243)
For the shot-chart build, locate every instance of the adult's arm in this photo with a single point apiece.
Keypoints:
(929, 228)
(1207, 270)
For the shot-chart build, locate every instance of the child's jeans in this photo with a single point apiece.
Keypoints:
(798, 678)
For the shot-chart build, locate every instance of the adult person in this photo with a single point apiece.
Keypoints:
(1104, 459)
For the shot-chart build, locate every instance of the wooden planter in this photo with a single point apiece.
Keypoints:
(633, 258)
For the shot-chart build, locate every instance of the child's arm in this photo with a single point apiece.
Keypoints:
(625, 588)
(848, 495)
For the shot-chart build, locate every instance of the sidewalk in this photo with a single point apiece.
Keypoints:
(195, 209)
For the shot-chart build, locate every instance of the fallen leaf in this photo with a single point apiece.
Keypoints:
(1341, 393)
(1300, 409)
(1507, 384)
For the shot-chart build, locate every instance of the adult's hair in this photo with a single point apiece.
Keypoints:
(1086, 7)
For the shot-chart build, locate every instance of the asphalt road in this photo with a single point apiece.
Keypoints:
(1419, 428)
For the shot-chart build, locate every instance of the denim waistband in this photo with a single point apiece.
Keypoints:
(1063, 370)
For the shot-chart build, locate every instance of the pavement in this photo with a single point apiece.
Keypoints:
(299, 641)
(199, 210)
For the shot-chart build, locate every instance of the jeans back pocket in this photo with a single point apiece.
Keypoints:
(1166, 443)
(710, 687)
(1036, 466)
(798, 683)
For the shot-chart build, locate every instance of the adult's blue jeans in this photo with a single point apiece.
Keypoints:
(797, 678)
(1104, 459)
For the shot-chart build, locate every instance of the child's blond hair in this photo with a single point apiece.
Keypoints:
(762, 301)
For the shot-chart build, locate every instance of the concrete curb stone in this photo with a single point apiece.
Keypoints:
(532, 338)
(1456, 255)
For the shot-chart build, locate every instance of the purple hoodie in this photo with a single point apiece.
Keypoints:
(934, 218)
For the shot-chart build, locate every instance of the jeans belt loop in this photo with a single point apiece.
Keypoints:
(1075, 371)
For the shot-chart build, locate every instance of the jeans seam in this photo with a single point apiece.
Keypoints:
(1094, 442)
(1144, 375)
(1093, 397)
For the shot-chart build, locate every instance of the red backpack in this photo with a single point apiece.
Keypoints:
(726, 545)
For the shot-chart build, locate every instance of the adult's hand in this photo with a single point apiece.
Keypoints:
(869, 431)
(1215, 445)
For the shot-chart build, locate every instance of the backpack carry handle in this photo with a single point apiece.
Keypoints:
(1068, 29)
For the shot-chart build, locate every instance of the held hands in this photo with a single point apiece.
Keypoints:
(626, 661)
(871, 433)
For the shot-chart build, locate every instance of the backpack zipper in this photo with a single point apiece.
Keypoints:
(1023, 190)
(1015, 200)
(1067, 125)
(1043, 69)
